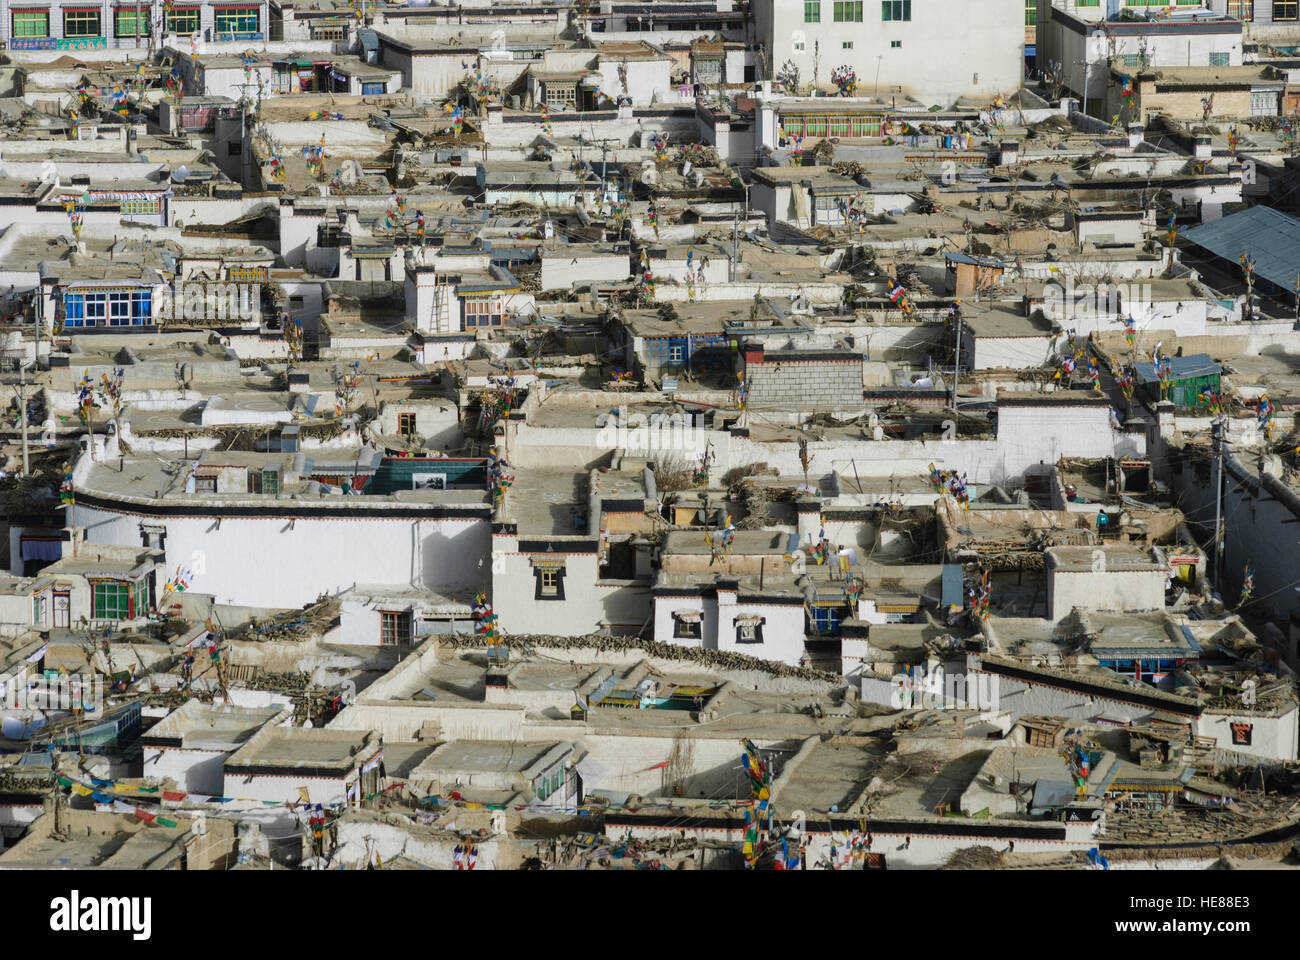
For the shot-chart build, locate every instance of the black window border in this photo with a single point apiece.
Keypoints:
(559, 583)
(758, 632)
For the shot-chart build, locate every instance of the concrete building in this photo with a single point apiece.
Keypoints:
(190, 745)
(973, 50)
(1105, 578)
(1091, 41)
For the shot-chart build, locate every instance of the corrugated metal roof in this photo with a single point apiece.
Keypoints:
(1184, 368)
(1268, 235)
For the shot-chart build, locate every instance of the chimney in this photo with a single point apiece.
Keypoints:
(1136, 134)
(1008, 153)
(1202, 150)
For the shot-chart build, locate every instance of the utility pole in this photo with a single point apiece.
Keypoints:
(956, 363)
(20, 388)
(735, 241)
(1216, 430)
(1087, 69)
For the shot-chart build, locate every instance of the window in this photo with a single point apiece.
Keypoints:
(1286, 9)
(812, 11)
(328, 234)
(264, 481)
(38, 610)
(1241, 734)
(1220, 59)
(183, 21)
(846, 45)
(1263, 103)
(749, 629)
(119, 309)
(687, 627)
(891, 10)
(707, 70)
(826, 620)
(125, 23)
(483, 312)
(550, 582)
(236, 20)
(850, 11)
(332, 30)
(561, 94)
(1031, 13)
(370, 89)
(140, 595)
(141, 206)
(81, 23)
(246, 274)
(895, 44)
(116, 308)
(800, 46)
(406, 424)
(1131, 59)
(31, 23)
(1241, 9)
(394, 628)
(676, 354)
(205, 484)
(110, 600)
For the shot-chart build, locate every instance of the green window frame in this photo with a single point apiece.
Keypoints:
(850, 11)
(183, 22)
(236, 20)
(812, 11)
(1031, 13)
(82, 23)
(892, 11)
(110, 599)
(30, 23)
(127, 24)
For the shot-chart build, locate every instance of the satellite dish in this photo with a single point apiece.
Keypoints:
(180, 174)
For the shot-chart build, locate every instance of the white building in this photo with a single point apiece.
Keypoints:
(190, 745)
(934, 51)
(1086, 40)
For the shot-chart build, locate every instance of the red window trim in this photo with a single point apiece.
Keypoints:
(83, 9)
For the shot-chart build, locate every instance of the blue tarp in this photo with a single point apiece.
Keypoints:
(42, 549)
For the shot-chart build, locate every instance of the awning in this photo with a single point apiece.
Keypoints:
(591, 770)
(748, 621)
(689, 616)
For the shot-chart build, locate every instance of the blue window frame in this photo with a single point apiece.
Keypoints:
(827, 619)
(109, 308)
(370, 88)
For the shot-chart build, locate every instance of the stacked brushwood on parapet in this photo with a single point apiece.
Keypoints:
(715, 659)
